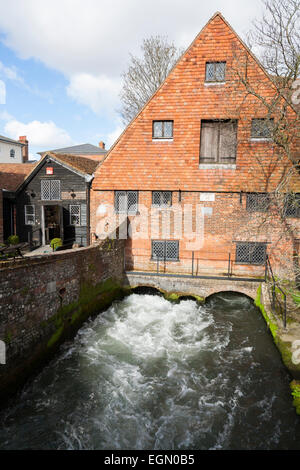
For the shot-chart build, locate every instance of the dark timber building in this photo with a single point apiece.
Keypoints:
(53, 200)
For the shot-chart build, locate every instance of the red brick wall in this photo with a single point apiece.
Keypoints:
(1, 216)
(213, 237)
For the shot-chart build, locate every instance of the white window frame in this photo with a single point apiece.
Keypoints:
(50, 195)
(12, 153)
(79, 214)
(29, 215)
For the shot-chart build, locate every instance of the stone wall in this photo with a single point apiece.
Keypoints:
(45, 299)
(1, 216)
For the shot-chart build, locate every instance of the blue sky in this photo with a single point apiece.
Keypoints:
(61, 61)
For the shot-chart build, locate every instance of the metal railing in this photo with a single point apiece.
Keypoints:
(269, 275)
(195, 266)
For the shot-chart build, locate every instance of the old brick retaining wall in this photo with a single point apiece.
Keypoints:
(45, 299)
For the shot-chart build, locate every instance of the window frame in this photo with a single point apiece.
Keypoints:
(164, 243)
(127, 211)
(12, 153)
(251, 244)
(288, 206)
(214, 80)
(163, 129)
(79, 215)
(257, 207)
(161, 204)
(261, 137)
(50, 182)
(218, 123)
(30, 215)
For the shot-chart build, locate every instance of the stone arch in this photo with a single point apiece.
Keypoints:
(146, 289)
(250, 295)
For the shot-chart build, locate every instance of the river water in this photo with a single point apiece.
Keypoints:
(151, 374)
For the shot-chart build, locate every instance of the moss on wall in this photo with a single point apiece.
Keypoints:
(295, 387)
(92, 300)
(284, 347)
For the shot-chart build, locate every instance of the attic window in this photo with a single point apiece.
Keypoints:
(50, 190)
(215, 72)
(262, 128)
(162, 130)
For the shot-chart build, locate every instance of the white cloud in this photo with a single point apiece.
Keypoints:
(10, 73)
(40, 134)
(98, 92)
(114, 135)
(2, 92)
(89, 41)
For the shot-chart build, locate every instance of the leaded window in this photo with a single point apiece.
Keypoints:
(162, 198)
(218, 141)
(258, 202)
(165, 250)
(74, 214)
(29, 214)
(50, 190)
(215, 72)
(162, 130)
(250, 253)
(292, 205)
(262, 128)
(126, 202)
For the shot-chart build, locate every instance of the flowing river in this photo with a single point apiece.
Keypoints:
(151, 374)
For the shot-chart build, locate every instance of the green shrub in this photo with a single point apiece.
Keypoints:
(55, 243)
(13, 240)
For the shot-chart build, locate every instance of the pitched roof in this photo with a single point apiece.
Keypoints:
(11, 141)
(84, 165)
(13, 174)
(82, 149)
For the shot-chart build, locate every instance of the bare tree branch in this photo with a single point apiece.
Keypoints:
(144, 75)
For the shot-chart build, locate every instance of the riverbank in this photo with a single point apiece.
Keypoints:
(286, 339)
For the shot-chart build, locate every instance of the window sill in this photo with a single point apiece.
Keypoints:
(162, 140)
(239, 263)
(165, 260)
(260, 139)
(214, 83)
(217, 166)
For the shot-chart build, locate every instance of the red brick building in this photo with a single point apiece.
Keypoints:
(195, 170)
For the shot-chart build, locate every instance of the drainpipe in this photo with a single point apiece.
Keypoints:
(88, 180)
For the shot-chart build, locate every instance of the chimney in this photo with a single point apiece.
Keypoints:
(102, 145)
(24, 141)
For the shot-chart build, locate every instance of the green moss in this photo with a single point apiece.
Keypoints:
(270, 322)
(55, 337)
(176, 296)
(92, 299)
(295, 387)
(8, 337)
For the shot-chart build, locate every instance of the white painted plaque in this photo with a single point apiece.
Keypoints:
(207, 197)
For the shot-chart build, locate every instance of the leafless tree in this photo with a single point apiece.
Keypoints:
(276, 37)
(275, 40)
(144, 75)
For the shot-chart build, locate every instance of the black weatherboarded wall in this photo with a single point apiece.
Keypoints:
(73, 191)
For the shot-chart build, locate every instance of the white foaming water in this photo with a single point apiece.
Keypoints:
(151, 374)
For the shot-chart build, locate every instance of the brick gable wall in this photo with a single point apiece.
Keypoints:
(136, 162)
